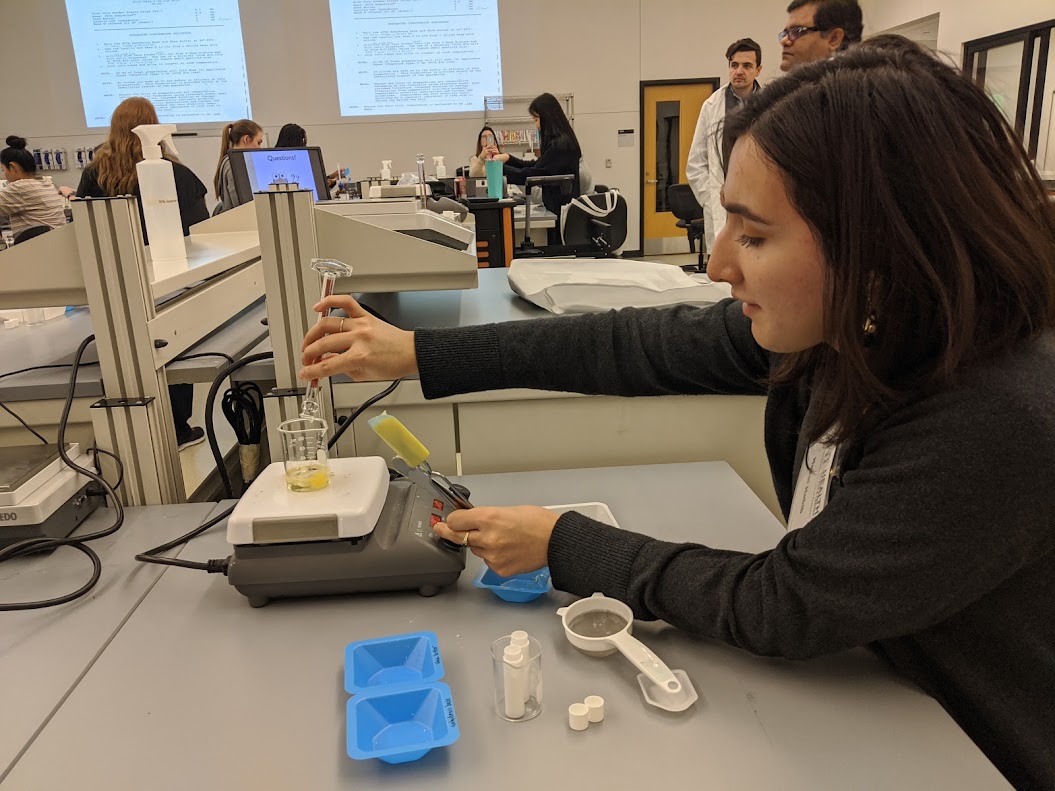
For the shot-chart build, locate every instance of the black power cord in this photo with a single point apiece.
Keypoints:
(42, 367)
(199, 355)
(362, 408)
(210, 427)
(218, 566)
(25, 425)
(120, 466)
(27, 370)
(34, 545)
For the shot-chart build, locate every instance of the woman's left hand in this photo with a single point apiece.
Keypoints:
(509, 540)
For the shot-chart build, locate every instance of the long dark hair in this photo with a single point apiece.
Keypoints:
(16, 153)
(554, 127)
(291, 136)
(479, 138)
(933, 223)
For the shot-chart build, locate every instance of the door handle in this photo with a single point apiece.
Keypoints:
(652, 181)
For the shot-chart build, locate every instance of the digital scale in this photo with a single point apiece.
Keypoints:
(41, 497)
(362, 533)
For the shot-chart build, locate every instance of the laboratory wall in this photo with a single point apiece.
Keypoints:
(965, 20)
(597, 50)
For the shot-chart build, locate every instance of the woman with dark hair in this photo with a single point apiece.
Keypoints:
(560, 152)
(291, 136)
(26, 200)
(486, 148)
(241, 134)
(113, 173)
(894, 299)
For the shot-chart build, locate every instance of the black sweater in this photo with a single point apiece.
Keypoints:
(553, 162)
(189, 191)
(936, 549)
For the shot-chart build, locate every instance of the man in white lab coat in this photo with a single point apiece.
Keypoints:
(704, 170)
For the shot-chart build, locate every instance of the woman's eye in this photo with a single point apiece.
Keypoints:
(749, 241)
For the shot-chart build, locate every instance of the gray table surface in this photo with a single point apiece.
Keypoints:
(44, 653)
(56, 341)
(199, 690)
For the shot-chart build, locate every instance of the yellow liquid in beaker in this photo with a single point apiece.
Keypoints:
(309, 478)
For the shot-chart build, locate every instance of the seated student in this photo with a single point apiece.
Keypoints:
(26, 200)
(112, 173)
(486, 142)
(239, 135)
(291, 136)
(901, 324)
(294, 136)
(560, 152)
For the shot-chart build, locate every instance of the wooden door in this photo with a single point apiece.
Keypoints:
(669, 111)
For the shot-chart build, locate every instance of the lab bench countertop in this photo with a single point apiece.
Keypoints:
(200, 690)
(45, 653)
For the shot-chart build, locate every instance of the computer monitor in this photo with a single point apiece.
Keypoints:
(255, 169)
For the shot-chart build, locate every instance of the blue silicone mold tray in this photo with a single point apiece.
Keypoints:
(519, 588)
(390, 661)
(401, 726)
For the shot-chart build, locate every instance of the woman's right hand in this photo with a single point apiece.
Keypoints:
(364, 347)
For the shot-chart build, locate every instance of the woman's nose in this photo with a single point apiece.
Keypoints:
(722, 263)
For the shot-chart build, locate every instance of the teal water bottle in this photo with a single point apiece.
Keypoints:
(494, 178)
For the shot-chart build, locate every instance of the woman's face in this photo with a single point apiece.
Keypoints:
(252, 142)
(768, 254)
(8, 173)
(486, 139)
(538, 123)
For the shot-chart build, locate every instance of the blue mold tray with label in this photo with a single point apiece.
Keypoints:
(399, 726)
(400, 710)
(389, 661)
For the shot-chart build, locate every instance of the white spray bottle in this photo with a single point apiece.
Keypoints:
(386, 170)
(157, 189)
(441, 169)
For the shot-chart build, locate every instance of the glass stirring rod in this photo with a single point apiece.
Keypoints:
(329, 270)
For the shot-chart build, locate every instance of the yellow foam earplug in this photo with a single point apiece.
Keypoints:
(399, 439)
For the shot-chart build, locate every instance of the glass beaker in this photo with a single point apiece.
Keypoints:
(33, 316)
(517, 678)
(304, 454)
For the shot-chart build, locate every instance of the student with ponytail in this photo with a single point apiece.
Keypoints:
(241, 134)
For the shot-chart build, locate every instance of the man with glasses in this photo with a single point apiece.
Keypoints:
(817, 29)
(704, 170)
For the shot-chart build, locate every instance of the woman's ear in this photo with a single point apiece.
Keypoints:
(246, 140)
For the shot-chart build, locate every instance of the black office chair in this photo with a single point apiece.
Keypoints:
(28, 233)
(567, 184)
(687, 209)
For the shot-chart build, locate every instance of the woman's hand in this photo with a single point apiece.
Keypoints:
(67, 192)
(509, 540)
(500, 157)
(364, 347)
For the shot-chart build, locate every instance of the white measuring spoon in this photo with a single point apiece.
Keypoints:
(613, 621)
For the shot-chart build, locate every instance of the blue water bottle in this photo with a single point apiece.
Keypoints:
(494, 178)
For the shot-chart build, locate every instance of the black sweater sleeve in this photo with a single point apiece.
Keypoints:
(681, 350)
(943, 508)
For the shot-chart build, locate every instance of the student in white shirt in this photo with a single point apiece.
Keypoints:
(26, 200)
